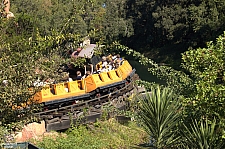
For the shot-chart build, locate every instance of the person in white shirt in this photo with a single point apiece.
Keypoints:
(104, 64)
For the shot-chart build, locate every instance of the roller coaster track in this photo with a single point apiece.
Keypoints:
(62, 117)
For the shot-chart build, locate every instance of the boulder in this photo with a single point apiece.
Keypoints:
(32, 130)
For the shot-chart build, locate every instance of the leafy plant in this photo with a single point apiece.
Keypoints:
(160, 114)
(202, 135)
(207, 68)
(3, 133)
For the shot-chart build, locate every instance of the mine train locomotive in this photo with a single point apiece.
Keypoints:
(93, 86)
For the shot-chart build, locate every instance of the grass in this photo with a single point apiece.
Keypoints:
(101, 135)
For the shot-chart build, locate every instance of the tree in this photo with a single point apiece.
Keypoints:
(47, 14)
(101, 20)
(116, 24)
(173, 26)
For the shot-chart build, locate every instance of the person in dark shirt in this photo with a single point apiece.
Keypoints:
(72, 72)
(88, 70)
(94, 61)
(79, 76)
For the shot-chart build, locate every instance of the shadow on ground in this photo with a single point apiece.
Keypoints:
(142, 146)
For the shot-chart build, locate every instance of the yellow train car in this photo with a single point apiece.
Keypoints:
(60, 91)
(69, 92)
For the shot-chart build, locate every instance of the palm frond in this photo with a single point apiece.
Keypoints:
(159, 116)
(202, 135)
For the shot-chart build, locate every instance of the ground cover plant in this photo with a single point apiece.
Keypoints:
(100, 135)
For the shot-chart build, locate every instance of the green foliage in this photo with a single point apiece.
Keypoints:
(162, 23)
(116, 23)
(179, 81)
(202, 136)
(62, 24)
(15, 95)
(108, 134)
(170, 18)
(47, 14)
(159, 114)
(25, 58)
(141, 24)
(101, 20)
(206, 66)
(16, 77)
(201, 84)
(3, 133)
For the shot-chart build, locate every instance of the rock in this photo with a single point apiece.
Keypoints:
(32, 130)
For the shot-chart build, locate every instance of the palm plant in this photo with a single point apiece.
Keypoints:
(202, 136)
(159, 114)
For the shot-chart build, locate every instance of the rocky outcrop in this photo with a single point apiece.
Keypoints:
(32, 130)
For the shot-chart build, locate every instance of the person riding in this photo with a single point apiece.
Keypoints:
(87, 71)
(79, 76)
(104, 63)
